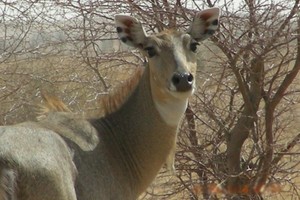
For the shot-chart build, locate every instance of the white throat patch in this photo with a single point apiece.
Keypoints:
(172, 111)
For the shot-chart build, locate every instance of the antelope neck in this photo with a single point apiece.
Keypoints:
(137, 138)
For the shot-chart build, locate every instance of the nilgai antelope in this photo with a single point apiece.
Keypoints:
(117, 156)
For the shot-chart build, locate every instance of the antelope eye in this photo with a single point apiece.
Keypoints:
(194, 46)
(151, 51)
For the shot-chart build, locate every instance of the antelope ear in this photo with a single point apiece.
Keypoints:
(205, 24)
(130, 31)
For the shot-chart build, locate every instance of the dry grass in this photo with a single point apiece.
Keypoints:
(21, 83)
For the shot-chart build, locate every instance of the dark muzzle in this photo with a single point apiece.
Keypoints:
(183, 81)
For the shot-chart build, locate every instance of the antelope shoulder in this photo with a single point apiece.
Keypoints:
(73, 127)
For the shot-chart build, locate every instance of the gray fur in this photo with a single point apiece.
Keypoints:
(134, 142)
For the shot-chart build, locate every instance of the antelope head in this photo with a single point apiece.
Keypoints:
(172, 54)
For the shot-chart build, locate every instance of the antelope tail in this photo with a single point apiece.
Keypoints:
(53, 114)
(50, 104)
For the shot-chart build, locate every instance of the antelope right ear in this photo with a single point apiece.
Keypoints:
(205, 24)
(130, 31)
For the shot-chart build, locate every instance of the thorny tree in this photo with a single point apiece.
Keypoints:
(240, 130)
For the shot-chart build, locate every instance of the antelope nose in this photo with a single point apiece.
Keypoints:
(183, 81)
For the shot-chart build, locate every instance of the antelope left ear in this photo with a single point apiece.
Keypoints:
(205, 24)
